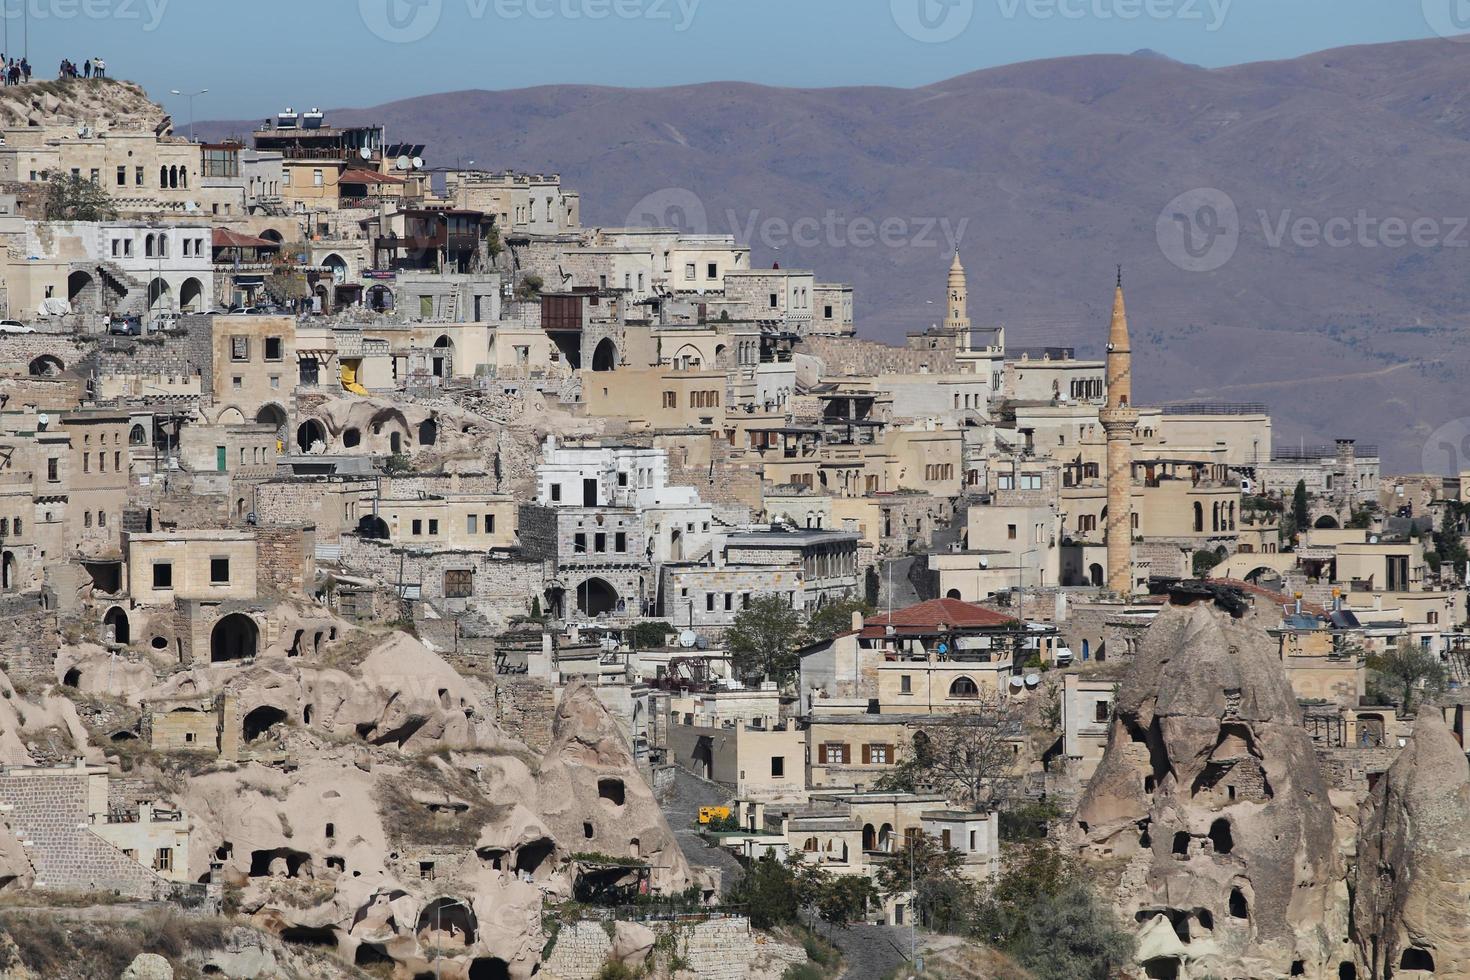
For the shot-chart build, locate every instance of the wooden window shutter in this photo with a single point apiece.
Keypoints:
(867, 755)
(822, 754)
(892, 758)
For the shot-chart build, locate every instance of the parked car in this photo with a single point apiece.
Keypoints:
(165, 321)
(15, 326)
(130, 325)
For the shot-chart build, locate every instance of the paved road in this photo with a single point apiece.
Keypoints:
(681, 809)
(868, 951)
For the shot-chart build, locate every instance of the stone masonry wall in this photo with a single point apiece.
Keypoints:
(29, 652)
(847, 355)
(525, 707)
(50, 812)
(717, 949)
(285, 559)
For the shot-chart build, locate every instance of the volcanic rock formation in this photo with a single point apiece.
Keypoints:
(1211, 793)
(1412, 886)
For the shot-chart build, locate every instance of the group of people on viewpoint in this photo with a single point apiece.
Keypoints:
(89, 69)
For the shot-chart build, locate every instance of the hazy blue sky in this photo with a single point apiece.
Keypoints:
(260, 55)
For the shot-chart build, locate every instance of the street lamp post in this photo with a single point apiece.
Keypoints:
(191, 96)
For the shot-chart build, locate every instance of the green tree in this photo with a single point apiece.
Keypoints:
(1449, 544)
(844, 899)
(1409, 668)
(943, 897)
(1204, 561)
(71, 197)
(763, 638)
(1301, 508)
(1070, 935)
(834, 618)
(647, 635)
(529, 287)
(768, 889)
(493, 244)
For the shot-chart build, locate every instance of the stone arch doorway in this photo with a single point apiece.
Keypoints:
(449, 922)
(78, 287)
(309, 433)
(372, 527)
(1326, 523)
(274, 415)
(46, 366)
(235, 637)
(428, 432)
(605, 357)
(1095, 574)
(160, 296)
(596, 596)
(117, 620)
(9, 574)
(191, 296)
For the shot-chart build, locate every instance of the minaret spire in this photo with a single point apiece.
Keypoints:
(957, 317)
(1120, 420)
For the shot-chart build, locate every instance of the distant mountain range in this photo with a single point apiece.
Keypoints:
(1322, 264)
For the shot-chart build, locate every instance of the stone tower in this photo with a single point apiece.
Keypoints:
(957, 319)
(1120, 419)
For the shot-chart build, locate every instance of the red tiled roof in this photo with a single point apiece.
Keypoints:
(929, 616)
(1276, 598)
(224, 238)
(359, 176)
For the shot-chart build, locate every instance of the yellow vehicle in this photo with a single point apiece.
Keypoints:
(708, 814)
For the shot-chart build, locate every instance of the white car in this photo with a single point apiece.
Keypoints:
(15, 326)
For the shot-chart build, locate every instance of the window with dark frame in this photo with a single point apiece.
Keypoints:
(459, 583)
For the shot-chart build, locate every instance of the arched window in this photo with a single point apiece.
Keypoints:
(1199, 516)
(963, 687)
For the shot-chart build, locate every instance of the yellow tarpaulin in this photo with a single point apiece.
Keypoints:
(349, 378)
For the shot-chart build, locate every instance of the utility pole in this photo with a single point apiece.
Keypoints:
(191, 96)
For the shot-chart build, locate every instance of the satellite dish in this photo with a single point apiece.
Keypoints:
(687, 639)
(403, 163)
(1017, 683)
(1032, 680)
(43, 420)
(365, 153)
(418, 163)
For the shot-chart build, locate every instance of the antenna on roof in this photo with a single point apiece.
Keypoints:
(1120, 276)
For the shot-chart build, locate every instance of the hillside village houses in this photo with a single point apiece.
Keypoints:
(295, 383)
